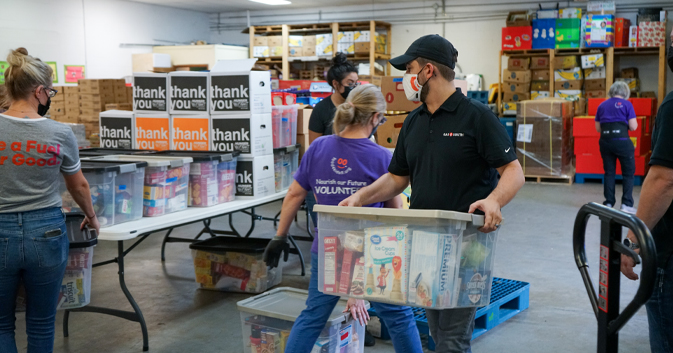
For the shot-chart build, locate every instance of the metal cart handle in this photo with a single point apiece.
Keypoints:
(647, 254)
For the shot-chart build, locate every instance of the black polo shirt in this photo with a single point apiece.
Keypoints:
(662, 155)
(450, 155)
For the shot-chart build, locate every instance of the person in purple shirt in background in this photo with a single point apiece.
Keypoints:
(335, 167)
(614, 118)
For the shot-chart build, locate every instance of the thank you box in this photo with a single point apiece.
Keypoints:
(152, 131)
(255, 177)
(236, 88)
(151, 93)
(190, 132)
(251, 134)
(117, 129)
(189, 92)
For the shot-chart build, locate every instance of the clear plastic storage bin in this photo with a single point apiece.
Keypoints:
(284, 125)
(276, 118)
(233, 265)
(116, 191)
(278, 169)
(96, 152)
(295, 162)
(166, 181)
(287, 170)
(267, 320)
(423, 258)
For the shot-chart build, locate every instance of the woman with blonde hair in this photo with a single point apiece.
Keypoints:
(348, 157)
(34, 153)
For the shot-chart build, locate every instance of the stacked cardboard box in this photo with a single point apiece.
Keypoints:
(630, 77)
(518, 35)
(568, 78)
(362, 42)
(541, 77)
(57, 108)
(346, 42)
(93, 96)
(516, 83)
(543, 141)
(593, 66)
(65, 104)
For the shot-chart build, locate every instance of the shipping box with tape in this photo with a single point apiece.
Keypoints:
(393, 92)
(388, 133)
(251, 134)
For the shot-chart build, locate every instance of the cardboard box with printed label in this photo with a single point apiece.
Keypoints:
(275, 41)
(634, 83)
(255, 177)
(362, 36)
(517, 38)
(345, 37)
(346, 48)
(296, 51)
(308, 42)
(509, 108)
(151, 93)
(594, 85)
(622, 32)
(393, 92)
(545, 14)
(570, 95)
(570, 12)
(595, 73)
(296, 41)
(303, 117)
(631, 72)
(189, 92)
(539, 62)
(565, 62)
(539, 95)
(308, 51)
(234, 88)
(190, 132)
(388, 133)
(592, 60)
(517, 87)
(117, 129)
(541, 75)
(540, 86)
(260, 41)
(600, 31)
(260, 52)
(568, 75)
(251, 134)
(568, 85)
(516, 76)
(323, 45)
(595, 94)
(152, 131)
(276, 51)
(515, 97)
(518, 64)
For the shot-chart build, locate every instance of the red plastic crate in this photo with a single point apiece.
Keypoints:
(644, 106)
(643, 144)
(587, 145)
(593, 105)
(585, 126)
(593, 164)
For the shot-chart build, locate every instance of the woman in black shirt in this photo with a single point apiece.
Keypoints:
(343, 77)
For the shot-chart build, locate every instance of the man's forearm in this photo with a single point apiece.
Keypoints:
(656, 195)
(383, 189)
(511, 181)
(82, 197)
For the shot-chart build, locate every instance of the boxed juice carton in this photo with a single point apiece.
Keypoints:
(151, 93)
(386, 261)
(117, 129)
(622, 32)
(152, 131)
(190, 132)
(236, 88)
(190, 92)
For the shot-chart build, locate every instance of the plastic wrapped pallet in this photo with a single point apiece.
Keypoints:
(544, 137)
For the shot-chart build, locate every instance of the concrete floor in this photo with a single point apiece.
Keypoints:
(535, 246)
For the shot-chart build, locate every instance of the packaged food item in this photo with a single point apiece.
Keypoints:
(432, 272)
(386, 251)
(203, 184)
(354, 241)
(358, 282)
(346, 271)
(330, 272)
(474, 276)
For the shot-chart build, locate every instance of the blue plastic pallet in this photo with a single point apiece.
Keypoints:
(580, 178)
(481, 96)
(508, 298)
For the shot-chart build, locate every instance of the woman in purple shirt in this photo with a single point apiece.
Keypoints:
(614, 118)
(347, 158)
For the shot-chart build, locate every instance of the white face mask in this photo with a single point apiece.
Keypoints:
(412, 88)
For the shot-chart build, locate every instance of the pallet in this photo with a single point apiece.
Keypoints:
(581, 178)
(539, 179)
(508, 298)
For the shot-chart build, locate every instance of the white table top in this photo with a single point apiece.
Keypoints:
(133, 229)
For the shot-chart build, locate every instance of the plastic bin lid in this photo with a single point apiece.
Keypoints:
(231, 244)
(100, 166)
(152, 160)
(88, 152)
(202, 156)
(286, 303)
(477, 220)
(79, 238)
(288, 149)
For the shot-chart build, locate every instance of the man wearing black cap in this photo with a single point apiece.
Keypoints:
(450, 149)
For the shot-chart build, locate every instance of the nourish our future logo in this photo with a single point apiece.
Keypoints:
(340, 166)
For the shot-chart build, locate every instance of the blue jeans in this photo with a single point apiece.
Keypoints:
(27, 256)
(399, 320)
(660, 311)
(310, 202)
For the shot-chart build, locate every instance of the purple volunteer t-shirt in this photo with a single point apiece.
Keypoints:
(615, 110)
(334, 168)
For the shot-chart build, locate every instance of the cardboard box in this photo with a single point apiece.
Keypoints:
(509, 108)
(580, 106)
(190, 132)
(71, 119)
(153, 131)
(568, 85)
(235, 88)
(631, 72)
(633, 36)
(70, 90)
(622, 32)
(516, 87)
(634, 83)
(586, 145)
(592, 60)
(568, 29)
(568, 75)
(539, 62)
(274, 41)
(393, 92)
(117, 129)
(296, 51)
(189, 92)
(119, 106)
(544, 141)
(346, 37)
(260, 41)
(515, 97)
(303, 118)
(651, 34)
(151, 92)
(388, 133)
(565, 62)
(540, 86)
(346, 48)
(89, 86)
(543, 33)
(249, 133)
(308, 42)
(517, 38)
(129, 94)
(255, 177)
(595, 94)
(306, 51)
(568, 45)
(148, 62)
(261, 52)
(547, 14)
(584, 126)
(302, 139)
(600, 31)
(276, 51)
(518, 19)
(571, 95)
(323, 45)
(88, 117)
(518, 64)
(594, 85)
(362, 36)
(540, 75)
(516, 76)
(570, 12)
(296, 41)
(539, 95)
(595, 73)
(361, 48)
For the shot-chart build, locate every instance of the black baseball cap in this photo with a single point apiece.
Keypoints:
(432, 47)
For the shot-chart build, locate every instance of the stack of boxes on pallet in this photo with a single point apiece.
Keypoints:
(593, 66)
(541, 77)
(588, 159)
(516, 87)
(348, 42)
(96, 96)
(65, 104)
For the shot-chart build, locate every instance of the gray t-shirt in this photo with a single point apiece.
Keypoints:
(33, 154)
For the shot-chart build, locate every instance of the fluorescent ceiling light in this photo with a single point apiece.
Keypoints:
(272, 2)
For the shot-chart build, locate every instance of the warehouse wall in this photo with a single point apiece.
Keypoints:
(91, 32)
(474, 27)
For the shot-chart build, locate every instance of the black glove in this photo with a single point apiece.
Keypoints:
(276, 246)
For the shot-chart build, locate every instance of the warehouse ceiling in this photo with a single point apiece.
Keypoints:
(213, 6)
